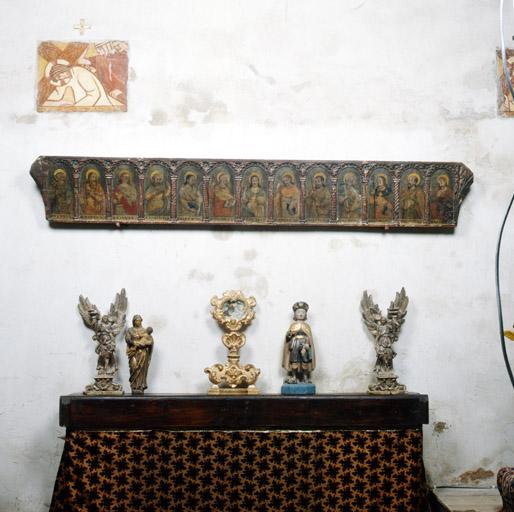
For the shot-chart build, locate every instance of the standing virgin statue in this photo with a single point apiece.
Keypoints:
(139, 351)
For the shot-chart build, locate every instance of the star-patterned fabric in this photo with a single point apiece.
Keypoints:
(233, 471)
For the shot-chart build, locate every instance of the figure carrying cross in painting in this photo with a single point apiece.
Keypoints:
(82, 77)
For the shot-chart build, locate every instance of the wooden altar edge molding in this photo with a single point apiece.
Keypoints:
(340, 194)
(199, 412)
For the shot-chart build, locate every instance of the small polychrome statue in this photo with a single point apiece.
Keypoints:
(106, 328)
(298, 355)
(139, 351)
(385, 331)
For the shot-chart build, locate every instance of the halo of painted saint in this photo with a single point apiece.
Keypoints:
(190, 195)
(380, 196)
(318, 198)
(349, 197)
(157, 195)
(92, 193)
(60, 193)
(254, 195)
(412, 196)
(222, 197)
(287, 195)
(125, 196)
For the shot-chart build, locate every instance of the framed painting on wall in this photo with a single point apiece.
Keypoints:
(505, 100)
(82, 77)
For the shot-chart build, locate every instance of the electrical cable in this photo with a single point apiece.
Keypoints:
(498, 295)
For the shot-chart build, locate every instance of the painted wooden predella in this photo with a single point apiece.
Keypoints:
(261, 193)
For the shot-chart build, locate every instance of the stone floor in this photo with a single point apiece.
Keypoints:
(469, 500)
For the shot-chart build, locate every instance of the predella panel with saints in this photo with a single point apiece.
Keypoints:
(254, 193)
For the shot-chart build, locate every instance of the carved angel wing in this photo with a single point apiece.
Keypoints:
(117, 312)
(398, 306)
(89, 312)
(370, 313)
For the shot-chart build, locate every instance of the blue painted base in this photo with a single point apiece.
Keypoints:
(302, 388)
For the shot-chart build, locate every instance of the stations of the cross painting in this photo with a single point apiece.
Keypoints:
(81, 27)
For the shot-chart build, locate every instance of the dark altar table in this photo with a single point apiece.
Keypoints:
(268, 453)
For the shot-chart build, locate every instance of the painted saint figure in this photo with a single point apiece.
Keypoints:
(254, 198)
(139, 351)
(412, 199)
(287, 198)
(298, 356)
(380, 199)
(319, 199)
(350, 202)
(190, 197)
(223, 198)
(93, 195)
(441, 205)
(157, 194)
(124, 195)
(60, 194)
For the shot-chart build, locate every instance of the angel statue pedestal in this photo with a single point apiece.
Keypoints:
(298, 355)
(233, 312)
(385, 332)
(106, 328)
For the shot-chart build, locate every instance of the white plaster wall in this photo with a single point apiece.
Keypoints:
(345, 79)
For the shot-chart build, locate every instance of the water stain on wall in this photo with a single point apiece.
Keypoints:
(261, 287)
(354, 375)
(244, 272)
(198, 275)
(25, 119)
(474, 476)
(466, 114)
(250, 280)
(440, 427)
(335, 245)
(301, 86)
(159, 117)
(269, 79)
(356, 242)
(222, 234)
(198, 106)
(250, 254)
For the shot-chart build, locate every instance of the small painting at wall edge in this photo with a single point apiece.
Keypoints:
(505, 100)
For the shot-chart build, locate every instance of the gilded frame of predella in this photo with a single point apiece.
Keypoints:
(338, 194)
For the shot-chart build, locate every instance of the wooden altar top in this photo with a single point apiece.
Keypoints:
(183, 412)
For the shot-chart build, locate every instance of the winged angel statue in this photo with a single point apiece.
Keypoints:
(385, 331)
(106, 328)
